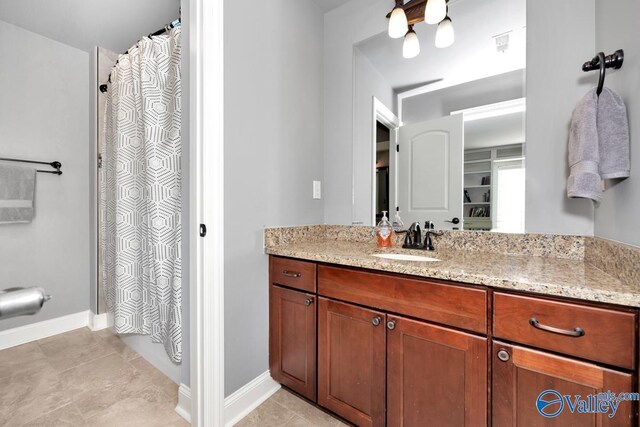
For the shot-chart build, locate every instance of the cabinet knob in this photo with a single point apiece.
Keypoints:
(391, 325)
(308, 301)
(503, 355)
(376, 321)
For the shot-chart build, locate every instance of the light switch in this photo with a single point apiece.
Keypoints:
(317, 190)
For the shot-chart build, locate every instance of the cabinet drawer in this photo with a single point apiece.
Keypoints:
(293, 273)
(426, 299)
(597, 334)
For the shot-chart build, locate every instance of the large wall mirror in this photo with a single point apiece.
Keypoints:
(447, 140)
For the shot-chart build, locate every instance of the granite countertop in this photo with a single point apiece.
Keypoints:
(569, 278)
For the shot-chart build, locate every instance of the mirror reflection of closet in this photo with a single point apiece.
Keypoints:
(494, 167)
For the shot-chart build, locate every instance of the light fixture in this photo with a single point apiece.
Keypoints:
(435, 11)
(445, 35)
(398, 25)
(414, 12)
(411, 45)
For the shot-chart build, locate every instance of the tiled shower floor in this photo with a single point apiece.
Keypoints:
(83, 378)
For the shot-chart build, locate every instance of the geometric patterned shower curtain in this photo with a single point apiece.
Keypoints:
(141, 192)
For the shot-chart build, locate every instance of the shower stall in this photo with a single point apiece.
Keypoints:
(139, 112)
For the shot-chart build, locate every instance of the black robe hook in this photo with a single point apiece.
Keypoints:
(603, 68)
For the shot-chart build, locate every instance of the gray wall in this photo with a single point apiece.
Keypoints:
(557, 45)
(273, 151)
(355, 21)
(617, 26)
(44, 116)
(369, 83)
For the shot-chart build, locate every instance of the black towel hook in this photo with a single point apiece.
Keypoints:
(603, 69)
(602, 62)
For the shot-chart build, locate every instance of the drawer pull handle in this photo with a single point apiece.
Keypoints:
(376, 321)
(308, 302)
(293, 274)
(576, 333)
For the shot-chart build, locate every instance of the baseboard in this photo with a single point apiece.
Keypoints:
(100, 321)
(249, 397)
(47, 328)
(184, 402)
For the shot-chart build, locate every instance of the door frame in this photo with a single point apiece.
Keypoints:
(381, 113)
(206, 175)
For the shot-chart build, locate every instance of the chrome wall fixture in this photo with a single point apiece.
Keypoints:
(405, 15)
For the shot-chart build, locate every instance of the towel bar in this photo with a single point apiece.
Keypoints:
(56, 165)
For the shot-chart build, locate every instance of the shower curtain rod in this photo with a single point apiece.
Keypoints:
(167, 28)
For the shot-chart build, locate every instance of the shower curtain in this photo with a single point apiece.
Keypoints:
(141, 192)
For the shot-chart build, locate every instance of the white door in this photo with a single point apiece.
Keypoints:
(430, 165)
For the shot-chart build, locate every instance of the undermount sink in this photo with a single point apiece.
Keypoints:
(405, 257)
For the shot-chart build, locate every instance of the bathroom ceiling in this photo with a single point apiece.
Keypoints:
(83, 24)
(329, 5)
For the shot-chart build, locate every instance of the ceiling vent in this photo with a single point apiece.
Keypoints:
(502, 42)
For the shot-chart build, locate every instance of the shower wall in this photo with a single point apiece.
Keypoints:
(43, 116)
(105, 60)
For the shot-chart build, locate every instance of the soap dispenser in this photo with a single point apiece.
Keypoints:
(383, 232)
(398, 225)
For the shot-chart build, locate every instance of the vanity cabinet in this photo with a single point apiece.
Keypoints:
(292, 325)
(587, 338)
(520, 375)
(352, 361)
(435, 376)
(395, 350)
(377, 366)
(431, 374)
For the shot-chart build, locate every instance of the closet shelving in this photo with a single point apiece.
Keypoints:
(477, 189)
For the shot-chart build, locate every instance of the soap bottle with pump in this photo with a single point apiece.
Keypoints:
(398, 225)
(384, 231)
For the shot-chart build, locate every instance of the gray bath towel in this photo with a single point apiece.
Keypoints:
(584, 179)
(17, 190)
(613, 136)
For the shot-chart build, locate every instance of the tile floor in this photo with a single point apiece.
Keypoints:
(83, 378)
(287, 410)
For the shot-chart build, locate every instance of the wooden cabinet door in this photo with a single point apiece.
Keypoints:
(435, 376)
(292, 340)
(351, 362)
(520, 375)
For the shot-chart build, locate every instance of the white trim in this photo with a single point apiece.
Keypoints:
(206, 108)
(249, 397)
(47, 328)
(497, 109)
(98, 322)
(184, 402)
(381, 113)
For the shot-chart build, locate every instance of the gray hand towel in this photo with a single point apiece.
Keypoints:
(584, 179)
(613, 136)
(17, 190)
